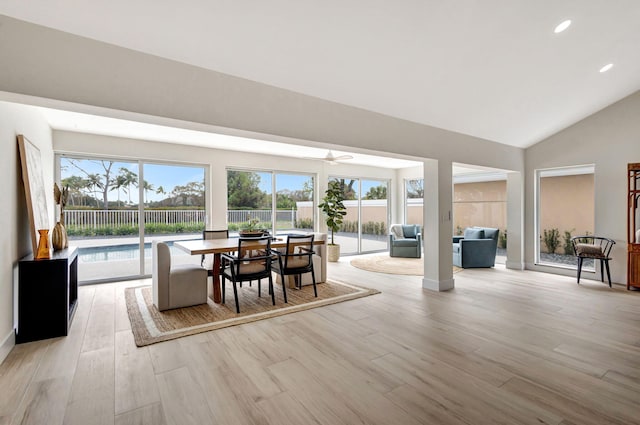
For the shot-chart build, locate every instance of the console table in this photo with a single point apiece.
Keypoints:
(47, 295)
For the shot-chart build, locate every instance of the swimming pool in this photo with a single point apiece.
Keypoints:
(95, 254)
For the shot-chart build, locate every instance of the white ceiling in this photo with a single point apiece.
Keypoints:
(488, 68)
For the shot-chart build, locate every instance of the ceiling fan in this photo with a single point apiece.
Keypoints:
(331, 158)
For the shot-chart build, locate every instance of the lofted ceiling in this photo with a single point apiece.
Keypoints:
(493, 69)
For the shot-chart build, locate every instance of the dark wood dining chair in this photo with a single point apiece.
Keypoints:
(296, 260)
(252, 261)
(212, 234)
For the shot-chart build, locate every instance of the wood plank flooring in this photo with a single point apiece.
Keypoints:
(504, 347)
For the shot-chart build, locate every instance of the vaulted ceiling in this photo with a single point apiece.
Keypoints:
(493, 69)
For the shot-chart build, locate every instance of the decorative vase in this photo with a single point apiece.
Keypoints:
(333, 253)
(59, 238)
(43, 245)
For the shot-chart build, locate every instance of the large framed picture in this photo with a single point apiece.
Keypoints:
(33, 178)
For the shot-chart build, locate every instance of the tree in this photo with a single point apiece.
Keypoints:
(95, 181)
(191, 193)
(76, 184)
(348, 191)
(119, 183)
(131, 179)
(377, 192)
(415, 188)
(147, 187)
(243, 190)
(285, 200)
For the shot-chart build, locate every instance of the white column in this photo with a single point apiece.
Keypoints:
(515, 221)
(437, 234)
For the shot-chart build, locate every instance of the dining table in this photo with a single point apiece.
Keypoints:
(217, 247)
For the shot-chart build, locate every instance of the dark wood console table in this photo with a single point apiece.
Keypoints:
(47, 295)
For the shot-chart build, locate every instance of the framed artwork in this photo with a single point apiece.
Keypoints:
(33, 179)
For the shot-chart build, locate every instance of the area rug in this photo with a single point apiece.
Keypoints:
(392, 265)
(150, 325)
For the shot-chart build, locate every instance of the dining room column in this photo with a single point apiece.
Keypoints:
(437, 233)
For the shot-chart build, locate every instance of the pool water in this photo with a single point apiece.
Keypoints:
(120, 252)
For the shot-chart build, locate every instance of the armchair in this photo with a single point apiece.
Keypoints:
(405, 240)
(477, 248)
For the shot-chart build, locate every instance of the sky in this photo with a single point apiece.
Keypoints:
(169, 176)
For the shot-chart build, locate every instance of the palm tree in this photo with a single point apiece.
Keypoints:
(94, 182)
(75, 185)
(147, 187)
(119, 183)
(131, 179)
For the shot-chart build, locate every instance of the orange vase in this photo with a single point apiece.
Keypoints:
(43, 245)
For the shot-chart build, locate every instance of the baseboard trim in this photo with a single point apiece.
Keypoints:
(438, 285)
(514, 265)
(7, 345)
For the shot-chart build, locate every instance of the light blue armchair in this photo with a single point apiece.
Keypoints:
(405, 240)
(477, 248)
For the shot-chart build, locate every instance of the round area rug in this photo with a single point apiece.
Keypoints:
(392, 265)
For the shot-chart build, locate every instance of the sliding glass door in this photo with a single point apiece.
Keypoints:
(269, 200)
(365, 225)
(117, 207)
(101, 216)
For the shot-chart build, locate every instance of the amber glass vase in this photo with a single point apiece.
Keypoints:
(43, 245)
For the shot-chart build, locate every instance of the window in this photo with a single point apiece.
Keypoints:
(565, 208)
(366, 224)
(116, 207)
(414, 201)
(269, 200)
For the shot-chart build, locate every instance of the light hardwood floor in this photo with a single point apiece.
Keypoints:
(504, 347)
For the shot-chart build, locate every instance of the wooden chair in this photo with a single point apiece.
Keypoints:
(251, 262)
(296, 260)
(596, 248)
(212, 234)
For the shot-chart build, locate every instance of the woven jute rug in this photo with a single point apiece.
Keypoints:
(150, 325)
(393, 265)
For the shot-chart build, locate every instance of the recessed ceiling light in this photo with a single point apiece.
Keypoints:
(606, 67)
(562, 26)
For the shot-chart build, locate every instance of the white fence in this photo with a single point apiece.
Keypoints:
(242, 216)
(84, 219)
(87, 219)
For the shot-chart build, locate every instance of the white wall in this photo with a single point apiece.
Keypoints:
(609, 139)
(15, 240)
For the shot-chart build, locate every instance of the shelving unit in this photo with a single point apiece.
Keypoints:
(633, 226)
(47, 295)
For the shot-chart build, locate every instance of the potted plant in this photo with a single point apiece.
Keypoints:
(334, 210)
(251, 227)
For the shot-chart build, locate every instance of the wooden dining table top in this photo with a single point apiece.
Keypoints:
(220, 246)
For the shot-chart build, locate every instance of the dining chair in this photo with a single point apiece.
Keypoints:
(176, 286)
(296, 260)
(212, 234)
(252, 261)
(593, 248)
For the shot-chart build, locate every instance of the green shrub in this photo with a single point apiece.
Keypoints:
(568, 246)
(502, 239)
(304, 223)
(551, 239)
(378, 228)
(129, 230)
